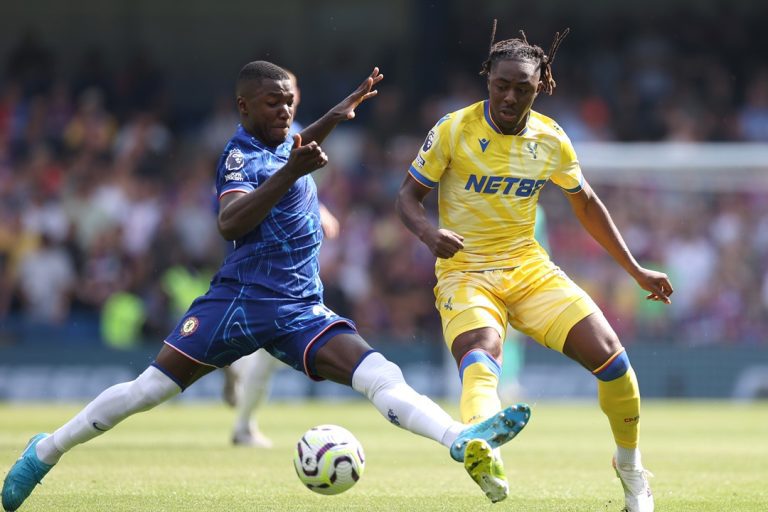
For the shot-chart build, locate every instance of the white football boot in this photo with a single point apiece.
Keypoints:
(637, 492)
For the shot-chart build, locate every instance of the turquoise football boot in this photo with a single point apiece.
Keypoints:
(500, 428)
(24, 475)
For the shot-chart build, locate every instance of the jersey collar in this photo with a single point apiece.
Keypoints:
(495, 127)
(253, 141)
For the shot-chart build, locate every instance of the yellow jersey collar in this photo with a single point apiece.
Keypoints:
(495, 127)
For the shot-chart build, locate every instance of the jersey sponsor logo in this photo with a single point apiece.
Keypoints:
(233, 176)
(533, 148)
(98, 426)
(420, 162)
(504, 185)
(633, 419)
(235, 160)
(449, 305)
(393, 419)
(429, 141)
(483, 143)
(189, 326)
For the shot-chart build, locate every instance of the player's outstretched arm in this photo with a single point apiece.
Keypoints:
(241, 212)
(595, 218)
(443, 243)
(344, 111)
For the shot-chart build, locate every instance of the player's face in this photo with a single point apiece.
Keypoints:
(266, 110)
(512, 87)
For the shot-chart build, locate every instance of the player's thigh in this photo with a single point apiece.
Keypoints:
(545, 304)
(472, 315)
(486, 339)
(222, 326)
(338, 358)
(591, 341)
(180, 367)
(307, 326)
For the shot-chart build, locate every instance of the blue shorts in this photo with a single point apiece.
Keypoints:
(233, 320)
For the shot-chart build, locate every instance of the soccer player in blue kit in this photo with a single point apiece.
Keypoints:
(267, 293)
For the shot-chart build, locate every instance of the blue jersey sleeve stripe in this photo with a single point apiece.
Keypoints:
(577, 188)
(421, 178)
(574, 189)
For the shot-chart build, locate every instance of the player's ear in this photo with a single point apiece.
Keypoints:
(540, 87)
(241, 106)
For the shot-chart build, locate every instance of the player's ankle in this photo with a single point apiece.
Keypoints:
(452, 433)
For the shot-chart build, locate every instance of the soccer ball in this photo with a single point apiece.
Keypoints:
(328, 459)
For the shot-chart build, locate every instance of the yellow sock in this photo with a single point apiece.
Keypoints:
(620, 401)
(479, 386)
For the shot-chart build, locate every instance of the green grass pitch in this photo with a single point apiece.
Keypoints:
(706, 456)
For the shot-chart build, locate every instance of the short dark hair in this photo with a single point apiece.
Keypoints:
(521, 49)
(259, 70)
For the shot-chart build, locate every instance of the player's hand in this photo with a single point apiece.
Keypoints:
(443, 243)
(655, 282)
(305, 159)
(346, 109)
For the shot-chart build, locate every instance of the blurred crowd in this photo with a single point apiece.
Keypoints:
(107, 227)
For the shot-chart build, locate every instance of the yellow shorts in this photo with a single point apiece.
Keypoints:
(536, 298)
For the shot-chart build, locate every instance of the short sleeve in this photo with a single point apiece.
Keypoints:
(232, 174)
(568, 175)
(434, 155)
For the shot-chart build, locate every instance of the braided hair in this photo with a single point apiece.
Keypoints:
(521, 49)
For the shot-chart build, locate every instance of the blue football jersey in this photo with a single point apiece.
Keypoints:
(281, 254)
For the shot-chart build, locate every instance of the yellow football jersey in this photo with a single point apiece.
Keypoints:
(490, 182)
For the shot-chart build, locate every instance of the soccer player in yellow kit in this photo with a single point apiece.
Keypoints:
(490, 160)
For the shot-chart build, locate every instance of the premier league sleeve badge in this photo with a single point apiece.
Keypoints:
(235, 160)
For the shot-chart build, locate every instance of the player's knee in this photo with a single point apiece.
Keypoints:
(592, 342)
(375, 372)
(481, 361)
(485, 339)
(614, 367)
(152, 388)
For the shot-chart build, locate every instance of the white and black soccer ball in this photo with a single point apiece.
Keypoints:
(328, 459)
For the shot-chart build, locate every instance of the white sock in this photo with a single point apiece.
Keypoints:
(382, 382)
(628, 457)
(255, 380)
(108, 409)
